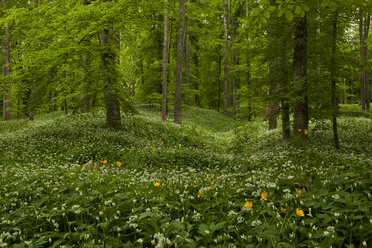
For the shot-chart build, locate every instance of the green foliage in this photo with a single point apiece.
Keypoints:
(62, 185)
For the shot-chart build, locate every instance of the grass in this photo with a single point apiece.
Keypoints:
(200, 184)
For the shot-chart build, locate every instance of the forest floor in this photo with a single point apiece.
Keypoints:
(210, 182)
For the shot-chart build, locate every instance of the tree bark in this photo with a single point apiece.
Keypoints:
(248, 63)
(6, 72)
(165, 52)
(333, 73)
(286, 129)
(272, 109)
(366, 83)
(226, 20)
(188, 58)
(110, 81)
(180, 41)
(86, 61)
(300, 107)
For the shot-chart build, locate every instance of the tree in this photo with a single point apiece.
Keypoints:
(110, 81)
(165, 46)
(300, 106)
(6, 72)
(364, 25)
(226, 21)
(180, 41)
(333, 75)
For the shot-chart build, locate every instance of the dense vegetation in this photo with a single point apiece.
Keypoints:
(68, 181)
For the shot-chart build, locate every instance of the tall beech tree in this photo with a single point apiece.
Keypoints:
(180, 43)
(226, 22)
(165, 52)
(6, 71)
(300, 105)
(110, 80)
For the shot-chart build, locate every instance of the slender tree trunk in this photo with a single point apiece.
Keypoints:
(219, 82)
(366, 83)
(226, 20)
(362, 78)
(86, 61)
(333, 72)
(109, 60)
(180, 41)
(300, 107)
(286, 129)
(196, 96)
(248, 64)
(272, 107)
(188, 58)
(50, 101)
(6, 72)
(165, 46)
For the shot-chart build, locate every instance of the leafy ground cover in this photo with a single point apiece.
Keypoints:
(66, 181)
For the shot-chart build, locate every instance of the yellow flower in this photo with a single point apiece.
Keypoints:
(95, 166)
(300, 130)
(150, 165)
(83, 169)
(161, 143)
(283, 210)
(248, 204)
(104, 161)
(305, 131)
(209, 188)
(136, 194)
(55, 153)
(264, 195)
(201, 192)
(157, 184)
(154, 149)
(299, 212)
(179, 146)
(90, 163)
(147, 147)
(118, 164)
(298, 192)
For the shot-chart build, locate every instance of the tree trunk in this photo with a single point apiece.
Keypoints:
(6, 72)
(110, 81)
(226, 20)
(180, 41)
(366, 83)
(362, 78)
(300, 107)
(248, 63)
(286, 129)
(188, 58)
(272, 107)
(165, 52)
(196, 96)
(86, 61)
(333, 73)
(219, 82)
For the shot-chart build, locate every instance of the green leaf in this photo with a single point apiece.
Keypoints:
(281, 12)
(267, 14)
(324, 3)
(289, 15)
(305, 7)
(333, 6)
(298, 10)
(146, 214)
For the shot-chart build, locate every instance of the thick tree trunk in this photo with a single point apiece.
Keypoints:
(111, 98)
(6, 72)
(333, 73)
(226, 20)
(300, 107)
(165, 52)
(180, 41)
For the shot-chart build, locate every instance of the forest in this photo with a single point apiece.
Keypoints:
(186, 123)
